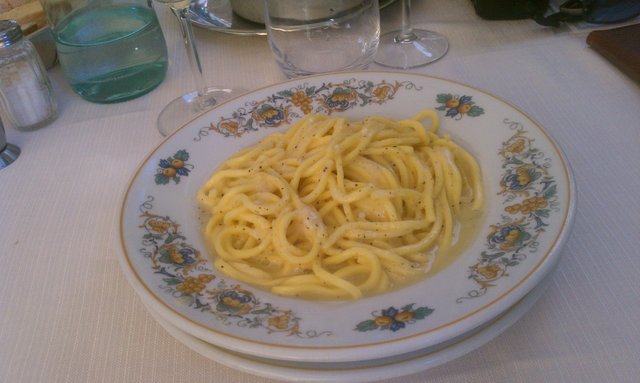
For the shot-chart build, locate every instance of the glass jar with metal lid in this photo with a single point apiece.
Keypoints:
(26, 96)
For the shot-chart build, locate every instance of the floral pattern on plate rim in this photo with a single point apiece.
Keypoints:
(530, 197)
(283, 106)
(186, 277)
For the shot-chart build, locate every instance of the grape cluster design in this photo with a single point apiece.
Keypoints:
(192, 285)
(301, 100)
(527, 206)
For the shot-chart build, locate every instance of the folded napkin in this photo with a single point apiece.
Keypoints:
(621, 46)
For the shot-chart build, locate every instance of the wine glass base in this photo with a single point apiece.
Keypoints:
(186, 108)
(8, 155)
(420, 48)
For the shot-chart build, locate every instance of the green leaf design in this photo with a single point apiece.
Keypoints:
(475, 111)
(510, 263)
(408, 307)
(533, 174)
(310, 91)
(422, 312)
(490, 257)
(170, 238)
(550, 192)
(178, 236)
(161, 179)
(544, 213)
(172, 281)
(285, 93)
(514, 161)
(341, 91)
(366, 325)
(268, 309)
(164, 258)
(182, 155)
(442, 98)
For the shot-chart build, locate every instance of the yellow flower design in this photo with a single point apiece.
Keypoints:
(382, 321)
(523, 177)
(513, 209)
(158, 226)
(490, 271)
(173, 253)
(516, 147)
(191, 285)
(230, 126)
(381, 91)
(404, 316)
(281, 322)
(341, 97)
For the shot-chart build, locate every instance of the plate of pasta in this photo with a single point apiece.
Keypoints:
(346, 217)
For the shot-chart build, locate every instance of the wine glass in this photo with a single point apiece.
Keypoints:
(184, 108)
(410, 48)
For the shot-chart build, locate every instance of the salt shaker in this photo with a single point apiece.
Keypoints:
(26, 96)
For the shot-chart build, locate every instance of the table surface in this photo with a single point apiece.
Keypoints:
(67, 313)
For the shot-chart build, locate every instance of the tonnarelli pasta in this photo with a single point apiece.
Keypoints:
(338, 209)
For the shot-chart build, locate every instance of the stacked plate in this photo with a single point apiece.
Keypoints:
(528, 215)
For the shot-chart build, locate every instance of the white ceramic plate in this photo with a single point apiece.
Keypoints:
(388, 368)
(517, 245)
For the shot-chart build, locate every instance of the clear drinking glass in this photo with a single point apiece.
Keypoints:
(184, 108)
(311, 36)
(109, 50)
(410, 48)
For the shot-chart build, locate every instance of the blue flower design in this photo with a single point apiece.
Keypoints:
(238, 302)
(521, 178)
(340, 99)
(458, 106)
(270, 115)
(172, 168)
(508, 237)
(394, 319)
(395, 325)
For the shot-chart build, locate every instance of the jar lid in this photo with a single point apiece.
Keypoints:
(10, 32)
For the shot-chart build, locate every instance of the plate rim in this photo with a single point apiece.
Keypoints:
(458, 348)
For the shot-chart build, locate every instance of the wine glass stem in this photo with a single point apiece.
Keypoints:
(406, 33)
(192, 51)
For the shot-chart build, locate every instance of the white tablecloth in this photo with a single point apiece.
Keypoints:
(67, 314)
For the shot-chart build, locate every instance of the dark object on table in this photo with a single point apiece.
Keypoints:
(593, 11)
(621, 46)
(510, 9)
(8, 152)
